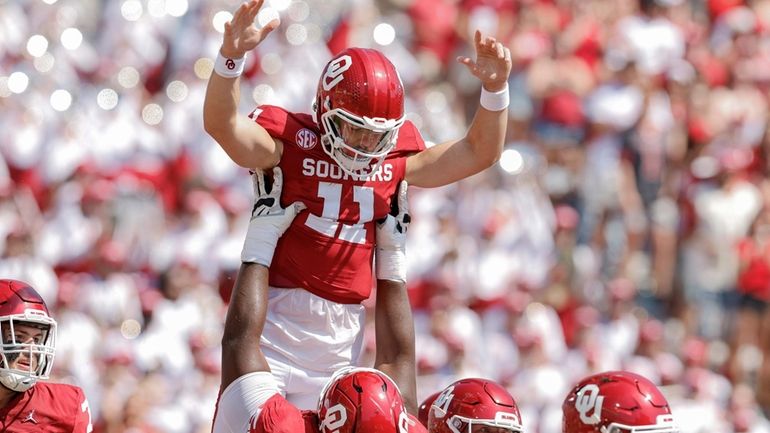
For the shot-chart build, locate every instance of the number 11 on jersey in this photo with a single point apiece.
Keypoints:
(328, 224)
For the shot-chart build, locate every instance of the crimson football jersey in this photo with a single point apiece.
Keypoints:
(328, 249)
(48, 408)
(277, 415)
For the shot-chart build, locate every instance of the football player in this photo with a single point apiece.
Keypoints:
(250, 395)
(344, 162)
(474, 406)
(616, 401)
(27, 351)
(355, 400)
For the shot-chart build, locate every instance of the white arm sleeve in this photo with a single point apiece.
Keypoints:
(242, 401)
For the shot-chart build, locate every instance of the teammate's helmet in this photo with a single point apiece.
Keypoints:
(21, 304)
(470, 402)
(361, 400)
(616, 402)
(424, 410)
(359, 107)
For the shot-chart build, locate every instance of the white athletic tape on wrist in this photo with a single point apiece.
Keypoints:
(391, 265)
(259, 245)
(495, 101)
(227, 67)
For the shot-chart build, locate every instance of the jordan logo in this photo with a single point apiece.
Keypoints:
(30, 417)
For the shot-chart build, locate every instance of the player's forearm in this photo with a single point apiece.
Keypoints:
(486, 136)
(220, 114)
(403, 373)
(220, 108)
(245, 142)
(454, 160)
(244, 323)
(394, 332)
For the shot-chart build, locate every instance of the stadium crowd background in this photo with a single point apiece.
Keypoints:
(626, 226)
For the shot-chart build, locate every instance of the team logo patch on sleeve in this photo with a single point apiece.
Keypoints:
(306, 139)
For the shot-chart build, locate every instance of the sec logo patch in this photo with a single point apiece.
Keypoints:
(306, 139)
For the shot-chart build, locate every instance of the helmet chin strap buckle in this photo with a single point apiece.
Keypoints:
(17, 382)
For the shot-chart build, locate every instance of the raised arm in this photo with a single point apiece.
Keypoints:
(394, 327)
(246, 312)
(243, 326)
(247, 384)
(483, 143)
(248, 144)
(394, 336)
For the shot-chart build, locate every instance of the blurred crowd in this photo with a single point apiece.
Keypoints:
(626, 226)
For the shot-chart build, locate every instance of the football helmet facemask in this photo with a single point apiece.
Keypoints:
(28, 336)
(359, 107)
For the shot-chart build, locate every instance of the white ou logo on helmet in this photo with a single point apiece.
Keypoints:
(589, 400)
(403, 422)
(336, 416)
(333, 74)
(441, 405)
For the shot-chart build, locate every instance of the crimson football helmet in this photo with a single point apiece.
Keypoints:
(616, 402)
(470, 402)
(359, 107)
(424, 410)
(20, 304)
(361, 400)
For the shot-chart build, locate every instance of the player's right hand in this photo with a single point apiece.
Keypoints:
(268, 219)
(241, 35)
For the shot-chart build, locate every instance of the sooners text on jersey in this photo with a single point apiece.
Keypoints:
(328, 249)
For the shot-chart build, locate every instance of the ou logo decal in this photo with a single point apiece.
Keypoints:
(333, 74)
(441, 405)
(336, 416)
(306, 139)
(589, 400)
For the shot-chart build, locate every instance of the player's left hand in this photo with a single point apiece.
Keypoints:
(268, 219)
(391, 238)
(493, 62)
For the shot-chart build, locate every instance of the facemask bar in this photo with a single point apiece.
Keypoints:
(40, 356)
(355, 161)
(461, 424)
(665, 424)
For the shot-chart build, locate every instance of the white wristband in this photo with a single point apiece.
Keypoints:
(495, 101)
(391, 265)
(229, 68)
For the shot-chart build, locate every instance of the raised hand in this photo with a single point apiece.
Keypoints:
(493, 62)
(241, 35)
